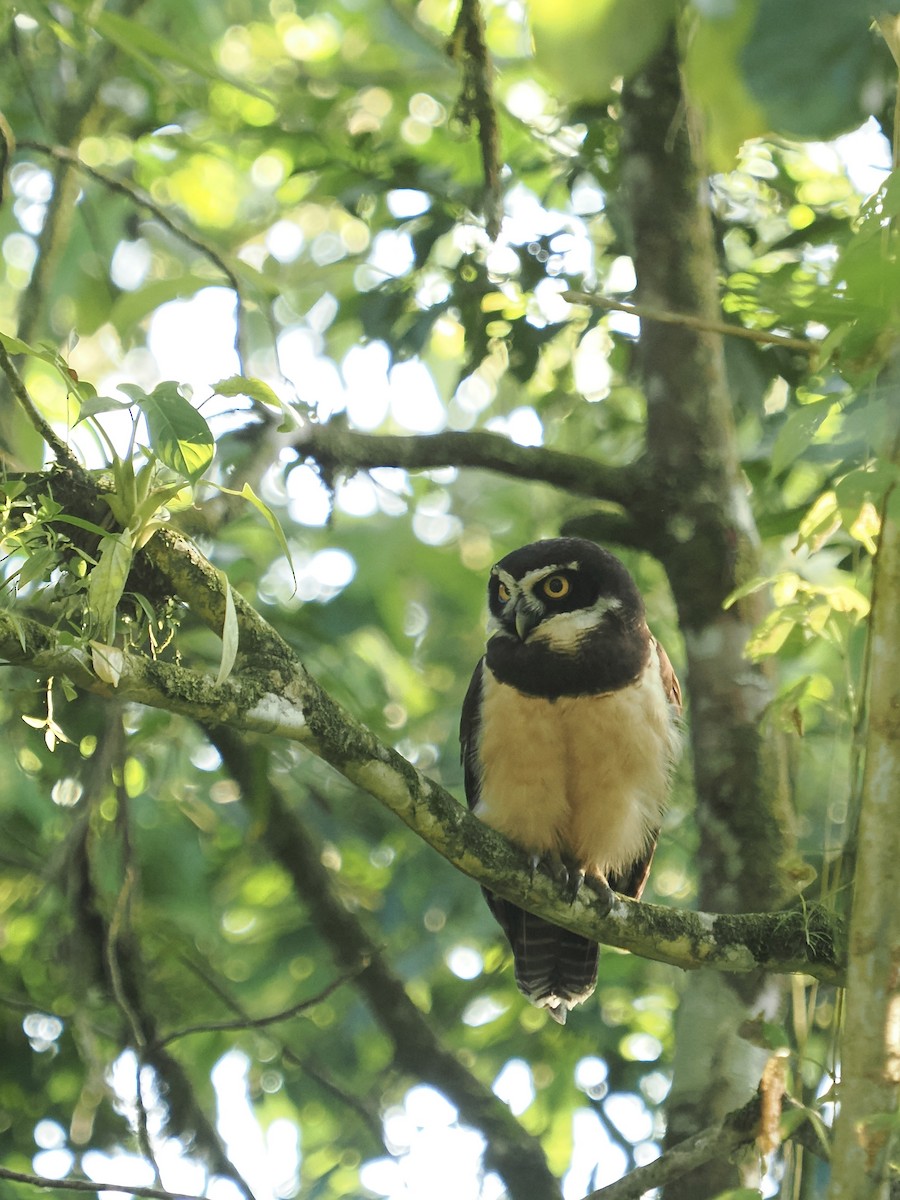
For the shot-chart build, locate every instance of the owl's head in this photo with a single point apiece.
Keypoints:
(556, 607)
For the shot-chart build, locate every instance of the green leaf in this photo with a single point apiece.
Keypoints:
(255, 389)
(584, 45)
(107, 581)
(715, 85)
(15, 345)
(136, 394)
(81, 523)
(93, 406)
(747, 589)
(146, 45)
(247, 493)
(807, 63)
(230, 632)
(179, 436)
(797, 432)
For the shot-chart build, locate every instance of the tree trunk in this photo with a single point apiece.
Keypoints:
(701, 527)
(866, 1129)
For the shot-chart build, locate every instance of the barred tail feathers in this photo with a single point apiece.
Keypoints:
(555, 968)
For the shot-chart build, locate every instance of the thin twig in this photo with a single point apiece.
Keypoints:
(61, 451)
(138, 196)
(272, 1019)
(689, 321)
(89, 1185)
(367, 1113)
(417, 1047)
(716, 1142)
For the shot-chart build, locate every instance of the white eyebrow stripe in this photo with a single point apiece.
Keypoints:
(505, 577)
(539, 573)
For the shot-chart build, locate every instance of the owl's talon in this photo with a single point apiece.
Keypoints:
(552, 865)
(576, 878)
(604, 893)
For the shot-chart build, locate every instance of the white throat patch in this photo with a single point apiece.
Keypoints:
(565, 631)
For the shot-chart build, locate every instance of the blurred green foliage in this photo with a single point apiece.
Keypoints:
(313, 158)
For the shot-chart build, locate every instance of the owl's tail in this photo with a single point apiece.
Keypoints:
(555, 968)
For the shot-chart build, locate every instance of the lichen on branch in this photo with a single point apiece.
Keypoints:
(289, 703)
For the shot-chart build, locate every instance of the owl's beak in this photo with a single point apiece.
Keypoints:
(526, 619)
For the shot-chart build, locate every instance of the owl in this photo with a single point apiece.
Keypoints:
(569, 734)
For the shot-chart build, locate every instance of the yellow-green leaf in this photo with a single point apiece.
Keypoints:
(107, 581)
(230, 632)
(179, 436)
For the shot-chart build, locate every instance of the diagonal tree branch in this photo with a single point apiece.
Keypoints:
(716, 1143)
(287, 701)
(418, 1051)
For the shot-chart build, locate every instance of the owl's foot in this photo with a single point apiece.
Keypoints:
(551, 864)
(564, 872)
(604, 893)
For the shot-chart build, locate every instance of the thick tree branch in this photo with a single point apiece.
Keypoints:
(704, 534)
(418, 1051)
(336, 448)
(288, 702)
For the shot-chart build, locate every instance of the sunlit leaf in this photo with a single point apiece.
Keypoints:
(230, 632)
(821, 521)
(179, 436)
(100, 404)
(255, 389)
(585, 46)
(247, 493)
(771, 635)
(15, 345)
(107, 580)
(139, 41)
(107, 662)
(797, 433)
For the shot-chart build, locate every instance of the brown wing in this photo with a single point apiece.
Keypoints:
(632, 881)
(670, 683)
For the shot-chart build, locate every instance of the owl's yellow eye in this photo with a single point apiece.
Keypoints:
(556, 586)
(503, 592)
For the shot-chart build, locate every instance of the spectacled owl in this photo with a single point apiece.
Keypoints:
(569, 733)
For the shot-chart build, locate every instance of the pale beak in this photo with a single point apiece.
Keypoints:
(526, 619)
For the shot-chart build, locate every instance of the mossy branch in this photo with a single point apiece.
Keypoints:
(285, 700)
